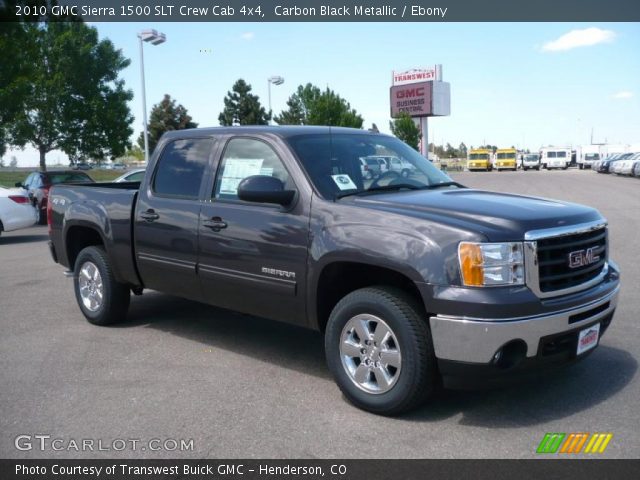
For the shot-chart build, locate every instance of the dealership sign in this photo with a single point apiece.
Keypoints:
(414, 99)
(416, 75)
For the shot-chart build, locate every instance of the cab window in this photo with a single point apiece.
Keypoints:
(245, 157)
(181, 168)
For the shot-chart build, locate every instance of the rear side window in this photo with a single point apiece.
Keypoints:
(181, 167)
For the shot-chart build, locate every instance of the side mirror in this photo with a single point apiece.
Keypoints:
(19, 185)
(264, 189)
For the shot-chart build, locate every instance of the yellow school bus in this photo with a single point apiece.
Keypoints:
(479, 159)
(506, 159)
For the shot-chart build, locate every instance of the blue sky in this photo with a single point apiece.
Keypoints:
(523, 84)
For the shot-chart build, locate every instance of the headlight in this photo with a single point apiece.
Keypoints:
(491, 264)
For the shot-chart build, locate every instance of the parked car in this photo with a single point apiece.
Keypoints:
(530, 160)
(370, 167)
(16, 210)
(37, 185)
(625, 167)
(82, 166)
(605, 166)
(410, 280)
(135, 175)
(118, 166)
(399, 165)
(636, 169)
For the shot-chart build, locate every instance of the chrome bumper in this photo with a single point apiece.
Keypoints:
(476, 340)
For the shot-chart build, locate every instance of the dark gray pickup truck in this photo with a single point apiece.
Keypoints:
(412, 278)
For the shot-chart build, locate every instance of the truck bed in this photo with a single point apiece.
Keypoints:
(78, 207)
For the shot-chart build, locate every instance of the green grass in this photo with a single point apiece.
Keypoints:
(9, 178)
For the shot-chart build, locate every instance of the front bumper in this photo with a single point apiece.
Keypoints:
(477, 340)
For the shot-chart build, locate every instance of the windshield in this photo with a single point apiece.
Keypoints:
(531, 158)
(505, 156)
(592, 156)
(332, 162)
(479, 156)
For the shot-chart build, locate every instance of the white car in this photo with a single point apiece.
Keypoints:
(16, 211)
(135, 175)
(625, 167)
(400, 165)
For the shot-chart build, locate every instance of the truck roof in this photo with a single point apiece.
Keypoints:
(279, 130)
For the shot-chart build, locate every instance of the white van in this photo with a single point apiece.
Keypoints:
(555, 157)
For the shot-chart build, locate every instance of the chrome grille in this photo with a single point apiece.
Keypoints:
(554, 272)
(550, 271)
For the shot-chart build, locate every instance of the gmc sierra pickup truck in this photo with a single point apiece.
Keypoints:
(412, 279)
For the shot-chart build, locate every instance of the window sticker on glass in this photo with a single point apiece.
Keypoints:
(344, 182)
(236, 170)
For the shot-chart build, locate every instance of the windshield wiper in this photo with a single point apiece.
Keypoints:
(398, 186)
(380, 188)
(444, 184)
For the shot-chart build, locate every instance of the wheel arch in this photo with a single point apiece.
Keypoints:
(341, 277)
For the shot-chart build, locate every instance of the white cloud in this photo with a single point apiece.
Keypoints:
(579, 38)
(622, 94)
(247, 36)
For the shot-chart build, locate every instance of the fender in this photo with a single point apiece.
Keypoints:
(92, 214)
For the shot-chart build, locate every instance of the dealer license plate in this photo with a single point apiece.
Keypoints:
(588, 338)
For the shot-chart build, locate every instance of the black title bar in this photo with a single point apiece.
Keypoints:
(121, 469)
(321, 10)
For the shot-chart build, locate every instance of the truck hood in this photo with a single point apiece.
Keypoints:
(498, 216)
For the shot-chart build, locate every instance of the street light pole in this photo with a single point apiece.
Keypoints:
(154, 38)
(276, 80)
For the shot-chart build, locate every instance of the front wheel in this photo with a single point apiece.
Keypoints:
(102, 300)
(379, 350)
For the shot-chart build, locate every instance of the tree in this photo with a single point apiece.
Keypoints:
(242, 107)
(135, 152)
(311, 106)
(62, 91)
(406, 130)
(165, 116)
(462, 150)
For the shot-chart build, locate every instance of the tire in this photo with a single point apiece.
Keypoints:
(409, 343)
(41, 218)
(581, 166)
(537, 169)
(113, 305)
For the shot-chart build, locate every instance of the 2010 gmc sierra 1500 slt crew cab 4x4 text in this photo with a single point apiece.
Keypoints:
(411, 278)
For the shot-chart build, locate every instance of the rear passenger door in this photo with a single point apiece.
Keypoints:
(167, 213)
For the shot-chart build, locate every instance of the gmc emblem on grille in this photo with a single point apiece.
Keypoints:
(582, 258)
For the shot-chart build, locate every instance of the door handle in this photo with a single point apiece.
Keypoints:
(216, 224)
(150, 215)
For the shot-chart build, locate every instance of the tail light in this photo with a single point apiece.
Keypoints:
(19, 198)
(49, 216)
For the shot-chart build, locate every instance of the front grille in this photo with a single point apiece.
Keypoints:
(554, 272)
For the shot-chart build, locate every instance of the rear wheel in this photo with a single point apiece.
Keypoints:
(379, 350)
(405, 173)
(102, 300)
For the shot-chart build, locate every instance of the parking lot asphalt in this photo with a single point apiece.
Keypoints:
(244, 387)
